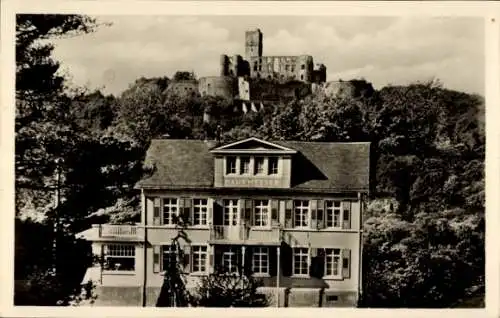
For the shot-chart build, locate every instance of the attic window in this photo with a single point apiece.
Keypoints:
(230, 165)
(273, 165)
(245, 165)
(259, 165)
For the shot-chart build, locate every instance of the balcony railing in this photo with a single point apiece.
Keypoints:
(226, 232)
(245, 233)
(115, 230)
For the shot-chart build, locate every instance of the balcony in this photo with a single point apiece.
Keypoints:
(244, 234)
(113, 232)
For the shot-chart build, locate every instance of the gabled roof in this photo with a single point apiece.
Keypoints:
(316, 166)
(253, 145)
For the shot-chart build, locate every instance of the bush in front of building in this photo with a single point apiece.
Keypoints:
(221, 289)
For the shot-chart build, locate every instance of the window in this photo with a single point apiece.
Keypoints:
(119, 257)
(199, 259)
(332, 298)
(230, 216)
(293, 68)
(303, 67)
(300, 261)
(332, 262)
(169, 256)
(302, 77)
(333, 209)
(259, 165)
(245, 165)
(261, 212)
(273, 165)
(260, 260)
(229, 260)
(230, 165)
(170, 209)
(301, 213)
(200, 211)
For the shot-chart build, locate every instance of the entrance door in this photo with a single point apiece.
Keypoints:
(231, 219)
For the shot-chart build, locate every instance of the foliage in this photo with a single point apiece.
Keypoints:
(183, 76)
(35, 282)
(230, 290)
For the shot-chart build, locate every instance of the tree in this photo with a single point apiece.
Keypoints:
(183, 76)
(173, 291)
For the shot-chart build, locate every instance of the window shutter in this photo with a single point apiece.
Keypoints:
(156, 211)
(217, 258)
(249, 211)
(217, 211)
(248, 260)
(180, 212)
(317, 263)
(273, 264)
(321, 215)
(321, 262)
(187, 258)
(314, 252)
(211, 256)
(314, 217)
(274, 211)
(186, 213)
(239, 258)
(156, 258)
(289, 214)
(346, 211)
(282, 212)
(210, 211)
(243, 215)
(286, 260)
(346, 263)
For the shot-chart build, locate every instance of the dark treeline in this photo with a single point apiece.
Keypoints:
(424, 225)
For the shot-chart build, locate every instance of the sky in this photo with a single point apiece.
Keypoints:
(382, 50)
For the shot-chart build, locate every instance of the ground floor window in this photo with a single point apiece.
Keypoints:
(119, 257)
(199, 259)
(169, 256)
(229, 260)
(300, 261)
(260, 260)
(332, 262)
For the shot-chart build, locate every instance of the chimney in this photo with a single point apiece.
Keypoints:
(218, 133)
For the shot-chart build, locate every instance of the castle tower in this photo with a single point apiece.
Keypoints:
(224, 65)
(253, 44)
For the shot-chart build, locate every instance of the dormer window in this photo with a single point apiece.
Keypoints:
(273, 165)
(252, 163)
(245, 165)
(259, 165)
(230, 165)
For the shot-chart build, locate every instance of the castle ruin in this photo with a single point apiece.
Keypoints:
(256, 78)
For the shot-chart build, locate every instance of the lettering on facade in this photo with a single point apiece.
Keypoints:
(252, 182)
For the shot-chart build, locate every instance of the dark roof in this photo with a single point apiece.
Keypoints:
(325, 166)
